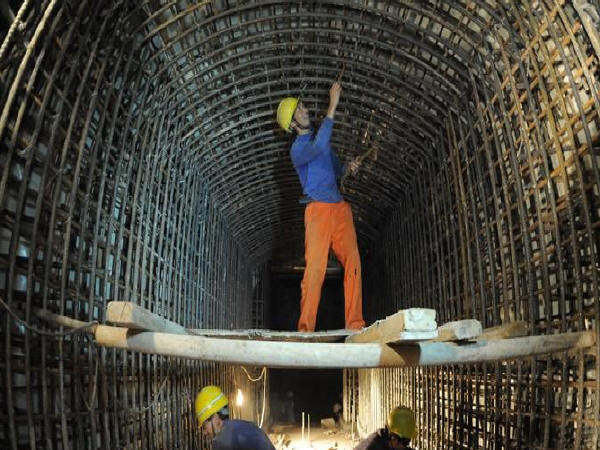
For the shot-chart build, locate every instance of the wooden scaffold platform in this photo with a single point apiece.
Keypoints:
(407, 338)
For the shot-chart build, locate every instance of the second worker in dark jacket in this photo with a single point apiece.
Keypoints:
(397, 434)
(212, 414)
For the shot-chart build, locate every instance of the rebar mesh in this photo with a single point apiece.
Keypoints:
(511, 233)
(141, 162)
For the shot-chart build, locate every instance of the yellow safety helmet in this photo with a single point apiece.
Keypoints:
(209, 401)
(285, 112)
(401, 422)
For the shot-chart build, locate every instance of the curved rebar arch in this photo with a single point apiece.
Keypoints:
(140, 160)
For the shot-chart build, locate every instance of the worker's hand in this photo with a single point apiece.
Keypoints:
(353, 166)
(334, 93)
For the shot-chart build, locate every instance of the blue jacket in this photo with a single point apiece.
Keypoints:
(241, 435)
(378, 440)
(317, 164)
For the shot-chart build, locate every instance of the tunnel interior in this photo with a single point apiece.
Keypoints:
(141, 161)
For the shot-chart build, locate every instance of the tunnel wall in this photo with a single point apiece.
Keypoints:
(100, 203)
(507, 231)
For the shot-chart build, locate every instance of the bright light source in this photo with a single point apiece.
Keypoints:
(239, 398)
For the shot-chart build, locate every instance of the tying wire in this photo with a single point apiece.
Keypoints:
(254, 380)
(359, 159)
(155, 397)
(302, 89)
(341, 74)
(154, 401)
(366, 154)
(20, 321)
(90, 405)
(263, 373)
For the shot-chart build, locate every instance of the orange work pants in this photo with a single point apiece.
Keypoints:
(330, 225)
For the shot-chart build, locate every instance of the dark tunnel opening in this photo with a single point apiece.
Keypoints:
(141, 161)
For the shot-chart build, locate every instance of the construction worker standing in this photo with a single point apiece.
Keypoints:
(397, 434)
(212, 413)
(327, 218)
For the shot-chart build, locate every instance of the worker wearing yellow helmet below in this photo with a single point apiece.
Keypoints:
(212, 413)
(399, 431)
(327, 217)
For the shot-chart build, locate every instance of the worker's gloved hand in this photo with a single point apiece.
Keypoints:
(353, 166)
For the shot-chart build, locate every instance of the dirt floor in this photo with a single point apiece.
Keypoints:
(289, 437)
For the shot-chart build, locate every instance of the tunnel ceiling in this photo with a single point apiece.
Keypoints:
(214, 72)
(223, 66)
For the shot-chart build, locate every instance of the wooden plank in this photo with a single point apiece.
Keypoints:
(300, 336)
(391, 328)
(410, 336)
(272, 335)
(336, 355)
(129, 315)
(459, 330)
(505, 331)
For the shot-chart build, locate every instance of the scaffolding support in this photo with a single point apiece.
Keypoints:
(332, 355)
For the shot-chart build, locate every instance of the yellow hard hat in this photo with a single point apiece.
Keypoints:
(209, 401)
(401, 422)
(285, 112)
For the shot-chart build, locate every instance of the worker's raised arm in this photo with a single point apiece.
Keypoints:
(304, 152)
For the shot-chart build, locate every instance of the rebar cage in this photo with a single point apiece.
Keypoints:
(141, 161)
